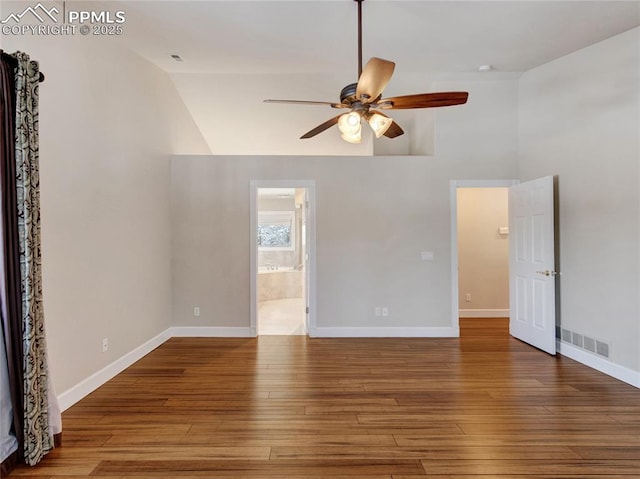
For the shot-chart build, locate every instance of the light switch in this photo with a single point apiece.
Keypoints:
(427, 255)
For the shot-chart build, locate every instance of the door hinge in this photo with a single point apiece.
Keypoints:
(307, 310)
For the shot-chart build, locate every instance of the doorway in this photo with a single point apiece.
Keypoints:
(479, 250)
(281, 257)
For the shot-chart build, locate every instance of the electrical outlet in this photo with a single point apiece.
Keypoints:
(196, 311)
(467, 297)
(385, 311)
(105, 344)
(376, 311)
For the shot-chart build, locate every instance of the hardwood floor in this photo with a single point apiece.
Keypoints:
(482, 406)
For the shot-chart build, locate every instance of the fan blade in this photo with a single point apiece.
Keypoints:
(375, 76)
(424, 100)
(320, 128)
(394, 130)
(305, 102)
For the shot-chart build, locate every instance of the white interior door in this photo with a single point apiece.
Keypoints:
(531, 264)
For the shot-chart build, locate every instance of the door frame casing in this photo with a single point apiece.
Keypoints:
(310, 289)
(455, 288)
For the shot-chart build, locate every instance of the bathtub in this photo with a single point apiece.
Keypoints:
(282, 283)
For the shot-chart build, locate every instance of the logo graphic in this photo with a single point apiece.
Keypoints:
(39, 20)
(34, 11)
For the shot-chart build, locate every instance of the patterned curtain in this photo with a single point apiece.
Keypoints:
(10, 293)
(38, 437)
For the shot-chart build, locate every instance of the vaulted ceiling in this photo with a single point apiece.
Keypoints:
(237, 53)
(307, 36)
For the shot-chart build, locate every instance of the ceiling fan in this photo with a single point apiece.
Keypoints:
(364, 100)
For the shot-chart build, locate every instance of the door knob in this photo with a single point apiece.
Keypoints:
(547, 272)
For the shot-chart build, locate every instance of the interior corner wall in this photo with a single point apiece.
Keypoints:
(483, 253)
(109, 121)
(579, 120)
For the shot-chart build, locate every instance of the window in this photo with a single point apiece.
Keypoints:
(276, 230)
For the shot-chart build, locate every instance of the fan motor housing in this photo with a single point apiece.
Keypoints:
(348, 94)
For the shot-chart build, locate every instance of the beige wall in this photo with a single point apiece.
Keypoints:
(108, 123)
(582, 124)
(483, 253)
(375, 215)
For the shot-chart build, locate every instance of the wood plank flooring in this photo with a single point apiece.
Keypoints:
(482, 406)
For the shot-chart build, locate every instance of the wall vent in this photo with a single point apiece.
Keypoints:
(577, 340)
(602, 349)
(595, 346)
(590, 344)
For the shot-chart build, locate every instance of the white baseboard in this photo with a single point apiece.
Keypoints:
(209, 332)
(621, 373)
(380, 332)
(72, 395)
(483, 313)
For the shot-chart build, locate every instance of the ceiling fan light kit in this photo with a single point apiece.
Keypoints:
(379, 124)
(363, 97)
(350, 127)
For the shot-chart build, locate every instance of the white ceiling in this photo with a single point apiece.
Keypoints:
(306, 36)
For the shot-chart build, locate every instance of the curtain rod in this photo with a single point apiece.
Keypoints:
(14, 63)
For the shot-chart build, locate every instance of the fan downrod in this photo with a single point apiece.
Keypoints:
(359, 36)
